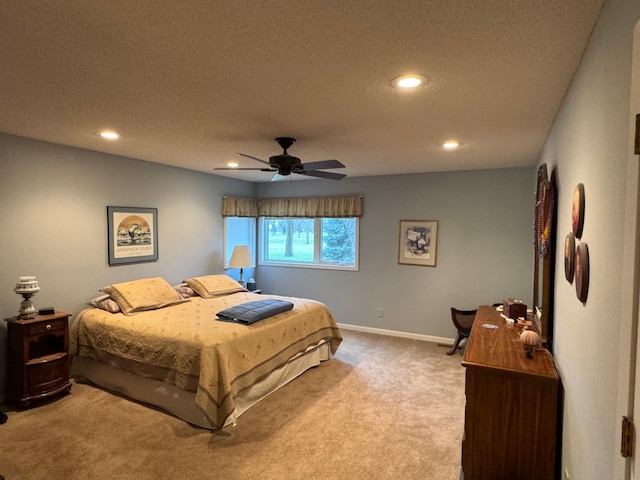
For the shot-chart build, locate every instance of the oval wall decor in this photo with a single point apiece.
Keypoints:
(577, 210)
(569, 256)
(582, 272)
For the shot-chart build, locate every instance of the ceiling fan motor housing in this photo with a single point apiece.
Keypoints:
(285, 163)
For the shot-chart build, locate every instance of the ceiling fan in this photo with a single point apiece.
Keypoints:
(285, 164)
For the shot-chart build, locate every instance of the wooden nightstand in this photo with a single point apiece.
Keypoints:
(38, 358)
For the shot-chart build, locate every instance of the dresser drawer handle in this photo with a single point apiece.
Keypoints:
(48, 327)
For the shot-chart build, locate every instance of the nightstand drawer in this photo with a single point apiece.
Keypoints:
(47, 373)
(46, 327)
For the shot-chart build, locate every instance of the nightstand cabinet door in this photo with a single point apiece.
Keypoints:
(38, 358)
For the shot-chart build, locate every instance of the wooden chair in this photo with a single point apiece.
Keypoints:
(462, 320)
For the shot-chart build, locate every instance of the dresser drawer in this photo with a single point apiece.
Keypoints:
(46, 327)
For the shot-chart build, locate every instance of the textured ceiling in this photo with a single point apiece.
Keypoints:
(191, 82)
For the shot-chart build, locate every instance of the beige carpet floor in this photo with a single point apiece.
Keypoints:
(383, 408)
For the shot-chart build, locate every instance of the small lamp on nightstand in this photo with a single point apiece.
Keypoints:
(27, 286)
(241, 258)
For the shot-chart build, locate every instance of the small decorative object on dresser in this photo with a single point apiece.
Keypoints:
(27, 286)
(531, 341)
(514, 308)
(38, 359)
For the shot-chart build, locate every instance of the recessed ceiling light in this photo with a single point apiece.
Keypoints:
(232, 164)
(451, 145)
(109, 135)
(406, 82)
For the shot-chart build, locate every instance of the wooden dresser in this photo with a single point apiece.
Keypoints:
(511, 405)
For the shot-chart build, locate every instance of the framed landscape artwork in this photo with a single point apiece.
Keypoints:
(132, 235)
(418, 242)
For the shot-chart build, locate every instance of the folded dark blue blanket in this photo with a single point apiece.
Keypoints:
(250, 312)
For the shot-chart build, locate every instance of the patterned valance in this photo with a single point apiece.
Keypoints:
(335, 207)
(239, 207)
(320, 207)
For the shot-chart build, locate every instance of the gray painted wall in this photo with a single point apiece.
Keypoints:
(54, 202)
(53, 207)
(589, 144)
(485, 248)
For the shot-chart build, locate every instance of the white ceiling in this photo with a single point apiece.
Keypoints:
(191, 82)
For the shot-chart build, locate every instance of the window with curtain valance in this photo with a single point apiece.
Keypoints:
(311, 232)
(312, 207)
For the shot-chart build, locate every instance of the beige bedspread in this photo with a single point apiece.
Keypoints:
(185, 345)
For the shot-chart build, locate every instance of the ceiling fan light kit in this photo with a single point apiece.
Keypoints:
(285, 164)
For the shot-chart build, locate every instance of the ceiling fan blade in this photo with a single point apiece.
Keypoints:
(246, 168)
(322, 164)
(252, 158)
(321, 174)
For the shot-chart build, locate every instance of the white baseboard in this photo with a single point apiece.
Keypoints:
(395, 333)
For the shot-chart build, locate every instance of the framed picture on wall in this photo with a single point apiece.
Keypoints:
(132, 235)
(418, 242)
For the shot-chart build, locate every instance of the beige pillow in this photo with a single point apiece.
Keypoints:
(214, 285)
(144, 294)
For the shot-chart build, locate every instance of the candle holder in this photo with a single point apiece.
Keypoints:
(27, 287)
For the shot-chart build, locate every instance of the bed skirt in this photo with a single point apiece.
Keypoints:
(181, 403)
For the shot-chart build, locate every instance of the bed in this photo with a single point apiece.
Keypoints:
(165, 345)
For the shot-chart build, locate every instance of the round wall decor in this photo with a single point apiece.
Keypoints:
(582, 272)
(577, 210)
(569, 256)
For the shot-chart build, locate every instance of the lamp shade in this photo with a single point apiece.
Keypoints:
(241, 257)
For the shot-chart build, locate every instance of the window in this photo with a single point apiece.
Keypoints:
(309, 242)
(238, 231)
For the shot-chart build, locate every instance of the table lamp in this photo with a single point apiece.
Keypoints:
(27, 286)
(241, 258)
